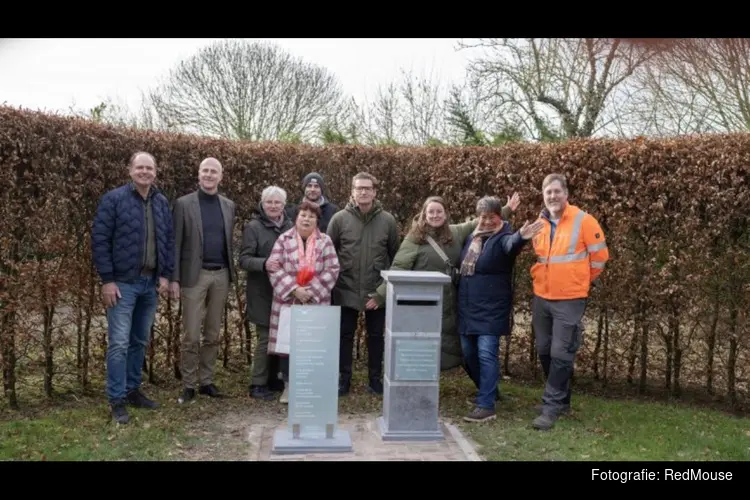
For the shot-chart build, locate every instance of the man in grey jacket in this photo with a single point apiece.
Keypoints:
(366, 240)
(204, 269)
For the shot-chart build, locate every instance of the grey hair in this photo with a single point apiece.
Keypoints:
(273, 191)
(490, 204)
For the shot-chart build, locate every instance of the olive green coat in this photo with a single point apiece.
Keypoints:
(366, 245)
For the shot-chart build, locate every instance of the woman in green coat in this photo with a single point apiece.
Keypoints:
(416, 253)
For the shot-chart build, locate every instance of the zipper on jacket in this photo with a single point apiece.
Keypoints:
(549, 254)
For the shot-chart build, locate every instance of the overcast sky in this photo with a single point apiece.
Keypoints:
(55, 74)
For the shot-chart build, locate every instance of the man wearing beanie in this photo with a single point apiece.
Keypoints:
(312, 186)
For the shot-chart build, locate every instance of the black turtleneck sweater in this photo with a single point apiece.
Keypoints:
(214, 239)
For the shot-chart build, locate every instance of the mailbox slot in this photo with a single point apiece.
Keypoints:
(417, 300)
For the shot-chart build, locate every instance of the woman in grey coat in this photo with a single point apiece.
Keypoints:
(259, 235)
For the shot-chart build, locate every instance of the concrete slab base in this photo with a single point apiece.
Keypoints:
(390, 435)
(284, 443)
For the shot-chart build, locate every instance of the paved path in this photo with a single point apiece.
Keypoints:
(367, 445)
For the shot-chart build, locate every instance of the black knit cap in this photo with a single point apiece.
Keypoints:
(313, 176)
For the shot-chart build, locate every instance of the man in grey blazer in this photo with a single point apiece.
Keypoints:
(203, 271)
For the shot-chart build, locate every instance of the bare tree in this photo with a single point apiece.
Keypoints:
(423, 111)
(250, 91)
(408, 110)
(379, 119)
(113, 111)
(556, 88)
(697, 86)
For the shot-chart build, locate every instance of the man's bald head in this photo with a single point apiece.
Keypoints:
(209, 175)
(213, 162)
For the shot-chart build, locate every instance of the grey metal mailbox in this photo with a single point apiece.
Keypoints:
(411, 385)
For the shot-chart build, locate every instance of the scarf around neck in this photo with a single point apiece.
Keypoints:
(306, 256)
(475, 249)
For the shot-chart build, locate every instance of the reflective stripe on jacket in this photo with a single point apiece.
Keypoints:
(567, 265)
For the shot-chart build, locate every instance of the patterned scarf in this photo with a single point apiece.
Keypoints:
(306, 256)
(475, 250)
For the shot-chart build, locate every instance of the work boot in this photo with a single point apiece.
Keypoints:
(119, 412)
(544, 422)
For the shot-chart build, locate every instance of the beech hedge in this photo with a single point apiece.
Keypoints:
(671, 309)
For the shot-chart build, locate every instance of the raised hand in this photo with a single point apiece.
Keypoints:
(514, 201)
(528, 231)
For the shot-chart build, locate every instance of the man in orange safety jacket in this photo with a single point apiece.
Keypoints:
(571, 253)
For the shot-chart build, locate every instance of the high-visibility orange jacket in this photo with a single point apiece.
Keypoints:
(567, 265)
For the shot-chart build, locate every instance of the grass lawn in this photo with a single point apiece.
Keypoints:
(598, 429)
(601, 429)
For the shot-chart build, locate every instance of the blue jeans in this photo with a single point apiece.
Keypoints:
(481, 356)
(129, 327)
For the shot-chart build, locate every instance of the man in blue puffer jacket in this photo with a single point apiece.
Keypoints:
(132, 241)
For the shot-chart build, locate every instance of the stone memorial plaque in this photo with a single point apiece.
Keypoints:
(313, 384)
(417, 360)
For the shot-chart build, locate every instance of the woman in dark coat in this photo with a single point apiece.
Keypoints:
(258, 238)
(485, 295)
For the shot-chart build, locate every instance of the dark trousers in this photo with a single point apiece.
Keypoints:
(284, 367)
(375, 326)
(558, 334)
(265, 367)
(275, 366)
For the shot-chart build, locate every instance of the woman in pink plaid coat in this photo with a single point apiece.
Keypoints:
(304, 268)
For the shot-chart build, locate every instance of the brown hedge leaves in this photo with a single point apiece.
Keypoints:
(675, 212)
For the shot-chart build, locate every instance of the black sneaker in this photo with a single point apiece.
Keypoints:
(261, 392)
(210, 390)
(187, 395)
(139, 400)
(119, 412)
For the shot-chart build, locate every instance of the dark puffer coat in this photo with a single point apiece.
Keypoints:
(118, 234)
